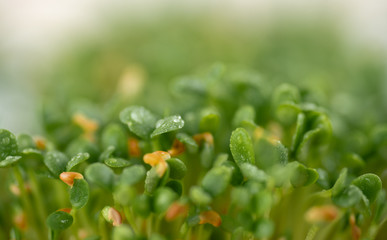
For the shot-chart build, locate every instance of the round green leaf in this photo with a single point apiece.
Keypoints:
(163, 198)
(370, 184)
(117, 162)
(250, 171)
(348, 197)
(107, 153)
(303, 176)
(9, 161)
(25, 141)
(217, 180)
(241, 147)
(168, 124)
(82, 145)
(142, 205)
(56, 162)
(132, 175)
(177, 168)
(207, 155)
(59, 220)
(101, 175)
(243, 114)
(79, 193)
(8, 144)
(123, 232)
(77, 159)
(140, 120)
(114, 135)
(187, 140)
(176, 186)
(199, 197)
(209, 121)
(264, 228)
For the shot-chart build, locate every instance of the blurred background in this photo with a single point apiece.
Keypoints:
(91, 50)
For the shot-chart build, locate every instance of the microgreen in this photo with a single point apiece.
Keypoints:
(260, 167)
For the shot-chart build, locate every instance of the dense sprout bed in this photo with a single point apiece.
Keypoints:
(236, 157)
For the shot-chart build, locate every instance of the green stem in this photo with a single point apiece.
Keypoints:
(130, 219)
(201, 232)
(38, 200)
(156, 143)
(26, 203)
(149, 225)
(102, 227)
(312, 232)
(75, 225)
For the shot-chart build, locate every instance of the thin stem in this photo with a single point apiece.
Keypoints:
(75, 226)
(27, 204)
(102, 227)
(38, 200)
(149, 225)
(312, 232)
(130, 219)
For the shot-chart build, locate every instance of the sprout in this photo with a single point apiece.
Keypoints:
(176, 210)
(68, 177)
(210, 217)
(112, 216)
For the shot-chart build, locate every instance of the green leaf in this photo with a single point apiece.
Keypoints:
(240, 197)
(251, 172)
(142, 205)
(79, 193)
(163, 198)
(370, 184)
(124, 195)
(152, 180)
(236, 174)
(340, 183)
(298, 135)
(8, 144)
(82, 145)
(123, 232)
(114, 135)
(140, 120)
(241, 147)
(101, 175)
(302, 176)
(59, 220)
(132, 175)
(56, 162)
(117, 162)
(177, 168)
(348, 197)
(168, 124)
(187, 140)
(209, 121)
(207, 155)
(216, 180)
(25, 141)
(107, 153)
(243, 114)
(264, 228)
(9, 161)
(176, 186)
(31, 153)
(77, 159)
(199, 197)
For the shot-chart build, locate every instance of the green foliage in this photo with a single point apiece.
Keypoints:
(59, 220)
